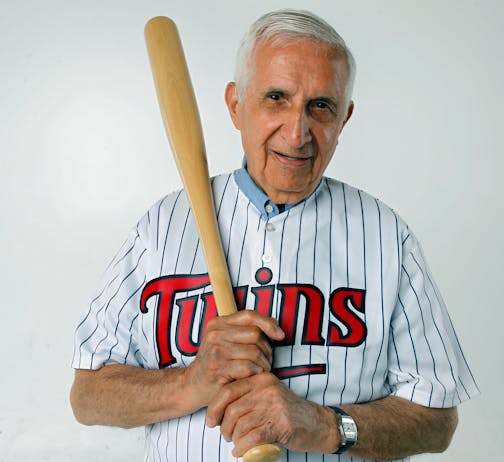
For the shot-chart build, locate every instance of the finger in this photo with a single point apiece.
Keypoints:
(236, 397)
(267, 325)
(253, 354)
(247, 415)
(226, 345)
(255, 436)
(219, 328)
(229, 394)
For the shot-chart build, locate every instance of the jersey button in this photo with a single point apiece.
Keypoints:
(266, 258)
(270, 227)
(268, 208)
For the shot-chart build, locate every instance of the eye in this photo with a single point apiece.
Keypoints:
(321, 105)
(274, 95)
(322, 110)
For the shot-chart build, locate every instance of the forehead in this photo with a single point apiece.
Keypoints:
(303, 64)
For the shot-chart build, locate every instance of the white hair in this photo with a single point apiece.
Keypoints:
(282, 27)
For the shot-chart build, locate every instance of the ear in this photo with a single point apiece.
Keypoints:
(350, 109)
(233, 104)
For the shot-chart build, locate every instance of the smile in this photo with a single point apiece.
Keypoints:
(290, 160)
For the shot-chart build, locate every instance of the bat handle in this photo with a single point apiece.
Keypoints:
(263, 453)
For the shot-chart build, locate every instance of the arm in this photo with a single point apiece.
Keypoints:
(99, 397)
(263, 410)
(233, 347)
(393, 428)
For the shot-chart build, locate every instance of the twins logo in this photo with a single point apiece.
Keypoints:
(346, 327)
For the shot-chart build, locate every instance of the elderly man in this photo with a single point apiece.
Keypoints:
(342, 343)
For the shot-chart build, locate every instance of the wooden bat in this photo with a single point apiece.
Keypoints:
(183, 127)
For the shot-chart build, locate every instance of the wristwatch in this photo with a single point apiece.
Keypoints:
(347, 429)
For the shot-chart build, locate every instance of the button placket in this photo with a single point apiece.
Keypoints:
(270, 227)
(271, 243)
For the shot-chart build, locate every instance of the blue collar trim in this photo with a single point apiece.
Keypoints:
(261, 201)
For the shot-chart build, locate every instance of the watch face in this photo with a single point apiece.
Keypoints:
(349, 428)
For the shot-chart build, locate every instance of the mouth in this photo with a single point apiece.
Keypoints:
(292, 161)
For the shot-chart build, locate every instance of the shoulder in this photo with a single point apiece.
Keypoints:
(363, 206)
(172, 209)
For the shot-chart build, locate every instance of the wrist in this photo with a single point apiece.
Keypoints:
(193, 396)
(333, 436)
(322, 437)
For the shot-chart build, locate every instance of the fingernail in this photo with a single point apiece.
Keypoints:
(210, 422)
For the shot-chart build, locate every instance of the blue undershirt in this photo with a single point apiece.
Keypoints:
(257, 196)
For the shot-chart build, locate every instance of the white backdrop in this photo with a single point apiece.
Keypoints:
(83, 154)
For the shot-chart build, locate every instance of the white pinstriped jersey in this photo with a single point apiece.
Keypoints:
(342, 273)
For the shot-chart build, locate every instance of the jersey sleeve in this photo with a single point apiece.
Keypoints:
(426, 362)
(107, 332)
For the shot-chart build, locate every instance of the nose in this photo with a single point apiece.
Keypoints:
(297, 127)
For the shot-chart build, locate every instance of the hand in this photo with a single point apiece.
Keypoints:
(261, 409)
(233, 347)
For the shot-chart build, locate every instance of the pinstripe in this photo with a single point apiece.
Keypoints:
(202, 454)
(296, 274)
(365, 287)
(94, 301)
(457, 342)
(106, 308)
(177, 439)
(281, 253)
(182, 238)
(339, 237)
(363, 238)
(243, 242)
(119, 317)
(412, 346)
(130, 340)
(264, 235)
(158, 441)
(167, 232)
(111, 262)
(188, 438)
(424, 327)
(405, 314)
(331, 287)
(398, 251)
(176, 268)
(346, 232)
(315, 233)
(431, 311)
(127, 252)
(381, 298)
(282, 240)
(347, 284)
(231, 225)
(167, 442)
(157, 223)
(222, 195)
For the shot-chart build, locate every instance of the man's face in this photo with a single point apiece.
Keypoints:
(291, 116)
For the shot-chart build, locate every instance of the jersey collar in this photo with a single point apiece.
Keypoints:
(256, 195)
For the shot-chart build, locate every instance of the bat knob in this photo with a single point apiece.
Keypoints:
(263, 453)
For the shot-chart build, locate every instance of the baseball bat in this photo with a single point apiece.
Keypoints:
(183, 128)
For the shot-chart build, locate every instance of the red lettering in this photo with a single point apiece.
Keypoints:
(344, 304)
(289, 311)
(166, 288)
